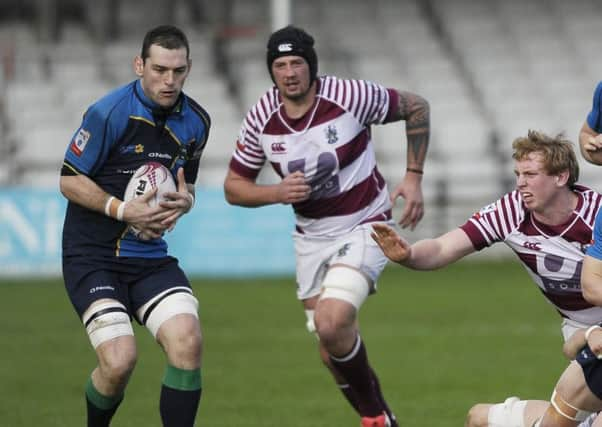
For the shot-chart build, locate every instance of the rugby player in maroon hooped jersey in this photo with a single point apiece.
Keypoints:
(547, 221)
(315, 132)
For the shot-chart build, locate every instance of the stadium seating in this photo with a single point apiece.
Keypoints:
(490, 70)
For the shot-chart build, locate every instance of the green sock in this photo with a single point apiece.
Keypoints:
(99, 400)
(180, 396)
(182, 379)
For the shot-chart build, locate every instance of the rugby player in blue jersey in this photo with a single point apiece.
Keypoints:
(113, 276)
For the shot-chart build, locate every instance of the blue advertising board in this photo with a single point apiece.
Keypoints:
(214, 239)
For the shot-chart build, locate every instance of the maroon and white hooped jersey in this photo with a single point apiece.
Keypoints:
(553, 255)
(331, 144)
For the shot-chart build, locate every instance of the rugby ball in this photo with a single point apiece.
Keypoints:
(147, 177)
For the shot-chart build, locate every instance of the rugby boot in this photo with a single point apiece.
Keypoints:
(380, 421)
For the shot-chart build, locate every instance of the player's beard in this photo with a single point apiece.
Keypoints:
(297, 96)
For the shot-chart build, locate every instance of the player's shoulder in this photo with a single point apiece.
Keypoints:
(591, 199)
(198, 111)
(265, 107)
(587, 193)
(509, 205)
(115, 100)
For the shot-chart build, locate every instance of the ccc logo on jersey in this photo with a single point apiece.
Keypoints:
(278, 148)
(535, 246)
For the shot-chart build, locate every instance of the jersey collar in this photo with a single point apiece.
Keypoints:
(153, 106)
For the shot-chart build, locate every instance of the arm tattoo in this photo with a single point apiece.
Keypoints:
(415, 110)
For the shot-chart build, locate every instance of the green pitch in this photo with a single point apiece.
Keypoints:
(440, 341)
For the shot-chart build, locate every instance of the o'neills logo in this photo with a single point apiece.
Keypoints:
(278, 148)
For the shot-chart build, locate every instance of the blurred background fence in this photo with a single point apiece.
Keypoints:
(491, 70)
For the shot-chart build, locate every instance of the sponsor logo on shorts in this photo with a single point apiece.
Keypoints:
(102, 288)
(343, 250)
(78, 145)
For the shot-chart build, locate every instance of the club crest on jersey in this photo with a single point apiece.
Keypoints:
(78, 145)
(331, 134)
(278, 147)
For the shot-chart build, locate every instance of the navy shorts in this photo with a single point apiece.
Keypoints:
(592, 370)
(131, 281)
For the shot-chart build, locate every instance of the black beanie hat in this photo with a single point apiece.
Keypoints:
(292, 40)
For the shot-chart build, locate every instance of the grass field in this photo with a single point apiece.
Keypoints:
(440, 342)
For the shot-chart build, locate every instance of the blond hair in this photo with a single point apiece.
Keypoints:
(557, 152)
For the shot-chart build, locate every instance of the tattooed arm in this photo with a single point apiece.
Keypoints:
(415, 110)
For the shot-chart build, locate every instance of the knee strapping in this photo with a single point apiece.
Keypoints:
(507, 414)
(166, 305)
(106, 321)
(567, 410)
(346, 284)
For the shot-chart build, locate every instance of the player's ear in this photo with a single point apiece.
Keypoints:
(562, 178)
(138, 65)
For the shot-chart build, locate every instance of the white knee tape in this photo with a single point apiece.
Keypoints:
(346, 284)
(507, 414)
(573, 413)
(311, 325)
(166, 305)
(106, 321)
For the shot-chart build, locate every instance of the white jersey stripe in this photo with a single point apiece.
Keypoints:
(331, 145)
(552, 255)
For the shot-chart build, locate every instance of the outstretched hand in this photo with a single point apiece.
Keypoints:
(413, 208)
(391, 243)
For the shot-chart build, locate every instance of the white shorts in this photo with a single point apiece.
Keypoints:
(568, 327)
(315, 254)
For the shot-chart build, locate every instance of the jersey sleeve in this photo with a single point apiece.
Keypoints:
(593, 118)
(248, 157)
(595, 250)
(369, 102)
(90, 145)
(494, 222)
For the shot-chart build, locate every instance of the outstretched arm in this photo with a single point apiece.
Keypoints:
(245, 192)
(427, 254)
(415, 110)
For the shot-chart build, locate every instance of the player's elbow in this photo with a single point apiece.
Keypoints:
(65, 186)
(232, 194)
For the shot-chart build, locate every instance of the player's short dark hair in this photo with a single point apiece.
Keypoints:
(166, 36)
(292, 40)
(557, 151)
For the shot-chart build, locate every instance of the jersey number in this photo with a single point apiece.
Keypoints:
(323, 183)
